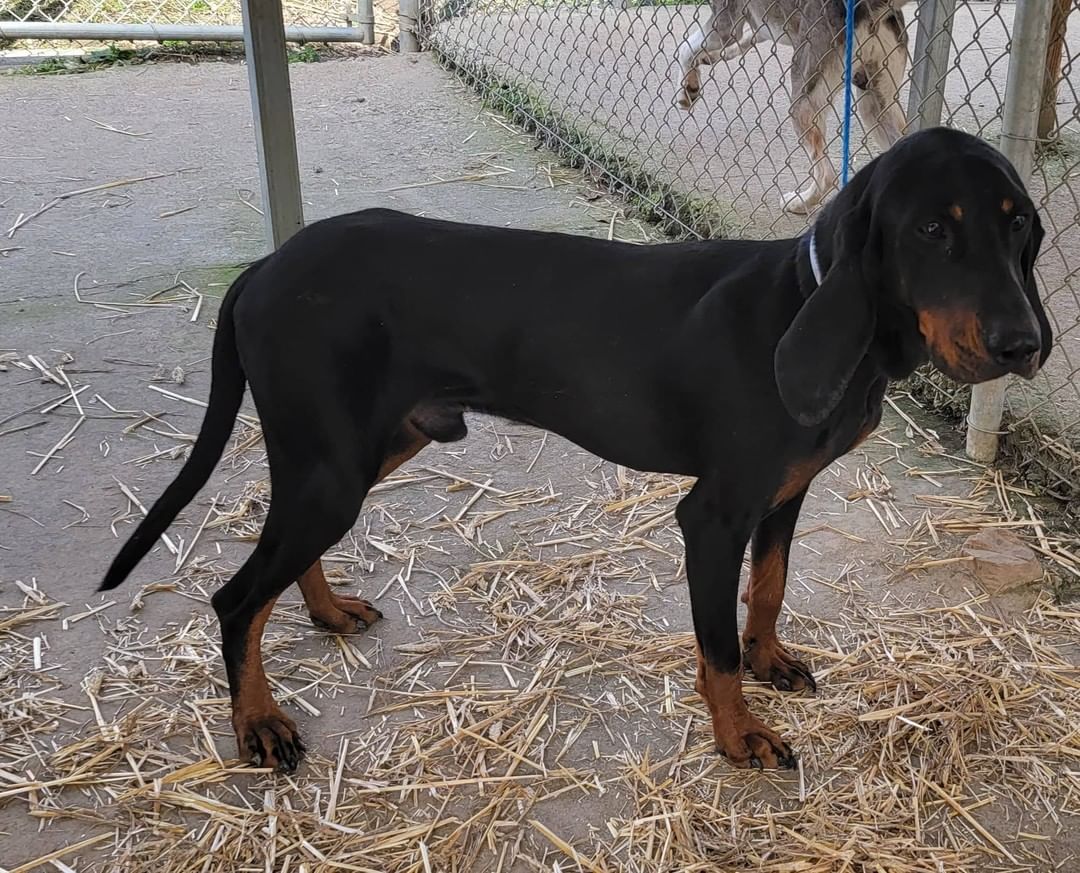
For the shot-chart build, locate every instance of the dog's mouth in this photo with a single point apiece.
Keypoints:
(955, 344)
(967, 366)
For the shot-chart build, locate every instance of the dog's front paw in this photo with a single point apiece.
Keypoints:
(770, 662)
(269, 740)
(800, 202)
(746, 742)
(686, 98)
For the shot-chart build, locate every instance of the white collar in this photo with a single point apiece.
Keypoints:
(815, 265)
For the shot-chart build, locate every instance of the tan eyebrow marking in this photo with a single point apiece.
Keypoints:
(956, 212)
(1007, 205)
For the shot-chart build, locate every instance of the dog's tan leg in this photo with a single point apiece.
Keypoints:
(762, 651)
(700, 47)
(745, 43)
(342, 615)
(741, 736)
(806, 116)
(883, 49)
(345, 615)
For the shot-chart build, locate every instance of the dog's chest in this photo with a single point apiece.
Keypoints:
(833, 442)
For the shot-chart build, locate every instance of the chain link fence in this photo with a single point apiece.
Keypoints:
(55, 21)
(601, 82)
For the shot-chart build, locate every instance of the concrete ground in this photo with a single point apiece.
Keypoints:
(611, 75)
(528, 701)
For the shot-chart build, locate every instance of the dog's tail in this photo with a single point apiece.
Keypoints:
(226, 394)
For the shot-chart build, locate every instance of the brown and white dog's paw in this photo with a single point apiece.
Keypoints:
(686, 98)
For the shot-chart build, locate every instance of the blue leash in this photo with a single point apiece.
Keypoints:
(849, 51)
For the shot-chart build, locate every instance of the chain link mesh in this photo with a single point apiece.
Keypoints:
(301, 13)
(599, 82)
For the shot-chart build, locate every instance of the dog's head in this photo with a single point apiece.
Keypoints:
(928, 253)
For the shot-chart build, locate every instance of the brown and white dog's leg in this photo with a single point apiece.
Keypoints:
(806, 117)
(745, 42)
(700, 46)
(691, 53)
(762, 652)
(884, 54)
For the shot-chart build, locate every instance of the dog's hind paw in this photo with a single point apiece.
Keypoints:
(347, 615)
(270, 740)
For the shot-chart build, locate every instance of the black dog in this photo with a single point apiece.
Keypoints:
(750, 365)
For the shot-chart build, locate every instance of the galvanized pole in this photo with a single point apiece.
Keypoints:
(930, 64)
(408, 25)
(1019, 127)
(365, 18)
(271, 104)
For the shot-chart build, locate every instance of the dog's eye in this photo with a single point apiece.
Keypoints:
(1019, 222)
(933, 230)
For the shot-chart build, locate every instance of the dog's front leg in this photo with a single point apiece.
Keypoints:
(806, 117)
(745, 42)
(762, 652)
(715, 541)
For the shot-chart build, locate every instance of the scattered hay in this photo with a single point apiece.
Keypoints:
(543, 716)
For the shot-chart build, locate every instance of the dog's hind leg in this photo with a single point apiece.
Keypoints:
(811, 95)
(762, 652)
(747, 41)
(720, 33)
(345, 615)
(317, 492)
(884, 52)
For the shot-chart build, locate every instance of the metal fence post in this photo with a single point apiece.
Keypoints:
(275, 132)
(408, 25)
(1019, 127)
(930, 64)
(365, 18)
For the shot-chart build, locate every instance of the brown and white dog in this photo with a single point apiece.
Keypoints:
(815, 29)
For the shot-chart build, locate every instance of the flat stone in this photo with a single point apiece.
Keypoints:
(1002, 561)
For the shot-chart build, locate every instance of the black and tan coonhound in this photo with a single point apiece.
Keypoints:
(749, 365)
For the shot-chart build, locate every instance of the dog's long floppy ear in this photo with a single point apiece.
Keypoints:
(1031, 288)
(817, 356)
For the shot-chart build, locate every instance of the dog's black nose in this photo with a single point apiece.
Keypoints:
(1011, 348)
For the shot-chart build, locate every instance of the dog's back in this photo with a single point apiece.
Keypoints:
(789, 20)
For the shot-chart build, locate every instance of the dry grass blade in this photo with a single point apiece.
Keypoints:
(542, 716)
